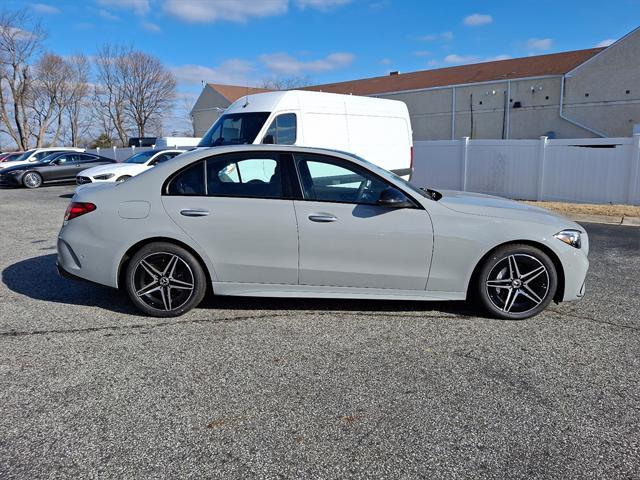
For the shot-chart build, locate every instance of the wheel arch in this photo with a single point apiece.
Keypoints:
(559, 295)
(124, 261)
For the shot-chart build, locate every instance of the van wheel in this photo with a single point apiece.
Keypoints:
(165, 280)
(516, 282)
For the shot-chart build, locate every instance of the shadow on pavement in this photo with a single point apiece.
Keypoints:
(38, 278)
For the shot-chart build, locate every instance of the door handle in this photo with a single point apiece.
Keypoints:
(322, 217)
(194, 212)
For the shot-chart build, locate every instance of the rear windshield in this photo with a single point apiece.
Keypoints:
(234, 129)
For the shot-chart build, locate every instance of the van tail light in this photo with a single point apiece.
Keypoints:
(77, 209)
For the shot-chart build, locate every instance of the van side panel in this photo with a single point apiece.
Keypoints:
(380, 140)
(324, 130)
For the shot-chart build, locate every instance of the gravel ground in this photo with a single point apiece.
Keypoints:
(255, 388)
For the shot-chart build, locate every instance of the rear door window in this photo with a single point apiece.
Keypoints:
(247, 175)
(189, 182)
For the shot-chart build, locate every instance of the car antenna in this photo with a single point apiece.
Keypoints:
(246, 98)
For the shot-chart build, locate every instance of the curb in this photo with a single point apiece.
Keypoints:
(606, 219)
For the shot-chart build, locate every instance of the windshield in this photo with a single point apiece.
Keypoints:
(24, 156)
(234, 129)
(141, 157)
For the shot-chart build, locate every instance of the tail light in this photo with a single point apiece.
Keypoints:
(77, 209)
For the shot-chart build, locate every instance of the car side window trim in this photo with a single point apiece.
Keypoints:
(290, 184)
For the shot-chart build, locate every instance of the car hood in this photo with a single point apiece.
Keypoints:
(112, 168)
(15, 163)
(490, 206)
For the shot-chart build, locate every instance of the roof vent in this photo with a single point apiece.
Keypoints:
(395, 72)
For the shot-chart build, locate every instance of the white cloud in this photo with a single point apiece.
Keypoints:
(605, 43)
(108, 15)
(444, 36)
(151, 27)
(285, 64)
(386, 61)
(18, 33)
(139, 7)
(422, 53)
(539, 44)
(45, 9)
(233, 71)
(204, 11)
(478, 19)
(321, 4)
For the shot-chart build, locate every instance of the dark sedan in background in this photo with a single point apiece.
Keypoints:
(58, 167)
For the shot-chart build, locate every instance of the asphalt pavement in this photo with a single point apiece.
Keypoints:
(277, 388)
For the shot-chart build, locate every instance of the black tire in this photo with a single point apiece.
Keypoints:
(123, 178)
(32, 180)
(515, 293)
(150, 271)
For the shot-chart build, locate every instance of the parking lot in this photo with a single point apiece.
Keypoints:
(278, 388)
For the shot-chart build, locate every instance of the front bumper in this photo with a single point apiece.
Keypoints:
(7, 180)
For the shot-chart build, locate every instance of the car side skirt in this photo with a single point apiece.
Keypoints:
(309, 291)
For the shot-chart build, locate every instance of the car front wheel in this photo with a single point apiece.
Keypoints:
(32, 180)
(516, 282)
(165, 280)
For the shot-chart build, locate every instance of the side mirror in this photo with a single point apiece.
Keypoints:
(268, 140)
(394, 198)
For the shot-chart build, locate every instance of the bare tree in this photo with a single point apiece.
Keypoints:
(286, 83)
(110, 95)
(150, 89)
(77, 109)
(20, 40)
(50, 95)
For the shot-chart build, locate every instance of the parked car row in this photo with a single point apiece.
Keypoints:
(37, 167)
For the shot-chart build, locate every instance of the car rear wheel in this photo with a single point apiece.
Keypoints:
(165, 280)
(32, 180)
(123, 178)
(516, 282)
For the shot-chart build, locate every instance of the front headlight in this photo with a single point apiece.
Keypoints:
(570, 237)
(16, 172)
(105, 176)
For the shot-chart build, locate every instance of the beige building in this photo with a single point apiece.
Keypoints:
(584, 93)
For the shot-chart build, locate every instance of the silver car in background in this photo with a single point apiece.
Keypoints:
(283, 221)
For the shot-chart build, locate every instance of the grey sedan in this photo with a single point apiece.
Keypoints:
(297, 222)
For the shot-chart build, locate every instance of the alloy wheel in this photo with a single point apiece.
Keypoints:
(163, 281)
(32, 180)
(517, 284)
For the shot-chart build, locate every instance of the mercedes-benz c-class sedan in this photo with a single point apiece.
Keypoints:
(298, 222)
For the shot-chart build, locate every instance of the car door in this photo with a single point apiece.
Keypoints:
(347, 240)
(64, 167)
(80, 162)
(242, 215)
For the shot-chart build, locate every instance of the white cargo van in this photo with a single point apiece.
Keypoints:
(375, 129)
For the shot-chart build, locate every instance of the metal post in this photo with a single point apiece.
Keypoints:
(465, 159)
(115, 153)
(634, 169)
(508, 132)
(453, 113)
(541, 160)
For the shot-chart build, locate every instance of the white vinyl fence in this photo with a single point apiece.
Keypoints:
(603, 170)
(120, 154)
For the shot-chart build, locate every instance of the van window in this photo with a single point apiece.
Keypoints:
(234, 129)
(283, 130)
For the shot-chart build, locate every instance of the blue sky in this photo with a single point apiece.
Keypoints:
(248, 41)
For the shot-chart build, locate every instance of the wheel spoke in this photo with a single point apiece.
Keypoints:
(511, 298)
(166, 299)
(171, 267)
(150, 288)
(150, 269)
(513, 267)
(501, 283)
(528, 277)
(531, 295)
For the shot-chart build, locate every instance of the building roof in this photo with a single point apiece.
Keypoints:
(535, 66)
(233, 92)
